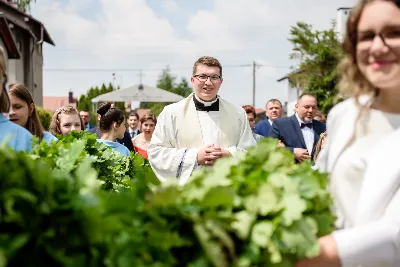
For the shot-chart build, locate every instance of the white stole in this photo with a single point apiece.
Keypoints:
(190, 130)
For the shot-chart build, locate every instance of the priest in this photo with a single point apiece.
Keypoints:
(198, 130)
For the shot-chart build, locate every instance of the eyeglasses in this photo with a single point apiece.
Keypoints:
(203, 78)
(390, 38)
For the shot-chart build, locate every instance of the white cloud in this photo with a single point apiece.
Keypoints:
(105, 34)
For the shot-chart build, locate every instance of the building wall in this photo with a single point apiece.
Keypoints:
(29, 68)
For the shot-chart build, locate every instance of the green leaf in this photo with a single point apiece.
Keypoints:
(294, 207)
(261, 233)
(243, 223)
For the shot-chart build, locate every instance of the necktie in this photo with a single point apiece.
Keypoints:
(200, 106)
(132, 134)
(309, 125)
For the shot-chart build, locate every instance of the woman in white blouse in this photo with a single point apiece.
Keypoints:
(362, 149)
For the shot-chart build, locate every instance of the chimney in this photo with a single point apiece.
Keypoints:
(341, 20)
(71, 97)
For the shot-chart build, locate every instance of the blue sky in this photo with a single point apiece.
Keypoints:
(148, 35)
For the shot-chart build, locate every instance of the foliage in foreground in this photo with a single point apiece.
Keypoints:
(56, 210)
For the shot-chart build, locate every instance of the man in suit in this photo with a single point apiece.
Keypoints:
(85, 115)
(300, 132)
(274, 111)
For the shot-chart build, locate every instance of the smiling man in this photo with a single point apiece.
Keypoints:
(300, 132)
(200, 129)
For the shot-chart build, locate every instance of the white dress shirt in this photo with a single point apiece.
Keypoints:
(308, 135)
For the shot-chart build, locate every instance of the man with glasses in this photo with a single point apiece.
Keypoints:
(200, 129)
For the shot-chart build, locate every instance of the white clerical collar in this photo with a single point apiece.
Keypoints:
(206, 104)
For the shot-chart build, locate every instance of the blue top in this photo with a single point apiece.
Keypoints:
(19, 138)
(90, 127)
(48, 137)
(262, 128)
(116, 146)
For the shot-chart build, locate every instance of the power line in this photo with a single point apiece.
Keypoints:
(159, 69)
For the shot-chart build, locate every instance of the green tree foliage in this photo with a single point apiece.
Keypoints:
(24, 5)
(318, 53)
(44, 116)
(85, 101)
(167, 81)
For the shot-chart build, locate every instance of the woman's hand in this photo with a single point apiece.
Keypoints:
(328, 256)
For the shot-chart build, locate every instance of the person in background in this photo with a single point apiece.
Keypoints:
(300, 132)
(142, 141)
(251, 117)
(361, 150)
(126, 140)
(18, 138)
(65, 120)
(319, 116)
(133, 124)
(23, 112)
(274, 111)
(112, 126)
(85, 115)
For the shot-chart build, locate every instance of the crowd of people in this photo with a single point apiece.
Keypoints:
(359, 153)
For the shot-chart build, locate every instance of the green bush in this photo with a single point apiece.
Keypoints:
(45, 117)
(79, 203)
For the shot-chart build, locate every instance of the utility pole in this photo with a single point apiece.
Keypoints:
(140, 76)
(254, 84)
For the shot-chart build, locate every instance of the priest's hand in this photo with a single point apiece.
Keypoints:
(208, 155)
(328, 256)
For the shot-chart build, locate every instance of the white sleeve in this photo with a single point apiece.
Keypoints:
(377, 241)
(246, 136)
(166, 160)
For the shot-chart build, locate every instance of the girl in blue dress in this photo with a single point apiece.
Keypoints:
(23, 112)
(13, 135)
(112, 126)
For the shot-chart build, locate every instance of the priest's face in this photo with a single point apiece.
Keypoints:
(206, 82)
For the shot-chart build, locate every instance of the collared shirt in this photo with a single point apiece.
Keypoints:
(270, 122)
(133, 133)
(308, 135)
(206, 104)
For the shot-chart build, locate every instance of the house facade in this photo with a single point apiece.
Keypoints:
(22, 38)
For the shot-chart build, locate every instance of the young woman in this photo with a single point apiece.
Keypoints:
(18, 138)
(65, 120)
(360, 147)
(142, 141)
(23, 112)
(112, 126)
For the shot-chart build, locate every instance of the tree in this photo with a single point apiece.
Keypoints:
(319, 53)
(167, 81)
(23, 5)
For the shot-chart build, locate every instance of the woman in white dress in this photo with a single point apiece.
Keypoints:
(361, 151)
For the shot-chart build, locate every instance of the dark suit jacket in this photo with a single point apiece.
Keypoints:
(127, 141)
(262, 128)
(289, 132)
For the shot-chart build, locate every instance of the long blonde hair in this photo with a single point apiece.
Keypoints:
(318, 146)
(353, 83)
